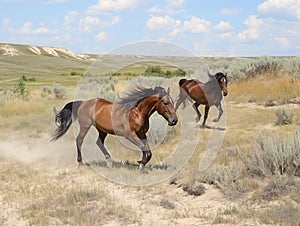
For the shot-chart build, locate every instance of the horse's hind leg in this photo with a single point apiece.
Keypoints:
(220, 113)
(195, 106)
(100, 143)
(182, 96)
(79, 140)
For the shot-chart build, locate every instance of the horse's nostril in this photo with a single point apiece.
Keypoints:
(174, 122)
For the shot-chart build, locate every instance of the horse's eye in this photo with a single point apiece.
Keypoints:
(166, 103)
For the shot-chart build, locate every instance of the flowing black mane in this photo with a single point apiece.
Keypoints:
(133, 97)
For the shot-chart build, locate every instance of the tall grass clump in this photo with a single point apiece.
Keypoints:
(274, 155)
(56, 90)
(284, 116)
(59, 91)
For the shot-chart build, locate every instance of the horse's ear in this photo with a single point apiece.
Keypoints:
(168, 90)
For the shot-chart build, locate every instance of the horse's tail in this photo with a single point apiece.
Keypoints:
(64, 118)
(181, 81)
(183, 96)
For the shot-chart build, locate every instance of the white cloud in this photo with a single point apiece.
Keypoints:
(175, 27)
(252, 32)
(42, 30)
(196, 25)
(70, 17)
(223, 26)
(159, 22)
(172, 7)
(102, 36)
(283, 42)
(28, 29)
(229, 11)
(114, 21)
(112, 5)
(6, 21)
(176, 3)
(253, 22)
(281, 8)
(89, 22)
(227, 35)
(155, 9)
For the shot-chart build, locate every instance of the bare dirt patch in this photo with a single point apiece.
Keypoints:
(31, 163)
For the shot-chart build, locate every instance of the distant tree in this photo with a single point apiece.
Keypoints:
(153, 70)
(179, 73)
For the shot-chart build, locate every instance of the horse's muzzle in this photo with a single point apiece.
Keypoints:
(173, 122)
(225, 93)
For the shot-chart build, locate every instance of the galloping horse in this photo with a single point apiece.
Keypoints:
(128, 117)
(208, 94)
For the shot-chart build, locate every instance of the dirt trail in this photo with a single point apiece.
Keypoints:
(162, 204)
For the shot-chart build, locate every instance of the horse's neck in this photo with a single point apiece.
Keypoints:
(212, 83)
(147, 105)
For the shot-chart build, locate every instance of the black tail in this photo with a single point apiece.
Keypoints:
(65, 117)
(181, 81)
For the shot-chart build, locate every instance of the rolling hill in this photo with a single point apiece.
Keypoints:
(29, 50)
(17, 60)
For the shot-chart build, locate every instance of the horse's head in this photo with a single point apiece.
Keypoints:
(222, 80)
(165, 107)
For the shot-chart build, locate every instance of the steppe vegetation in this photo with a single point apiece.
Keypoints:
(253, 180)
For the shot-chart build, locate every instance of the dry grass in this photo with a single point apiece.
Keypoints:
(41, 200)
(264, 88)
(55, 203)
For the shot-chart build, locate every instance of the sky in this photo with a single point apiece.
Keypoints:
(206, 28)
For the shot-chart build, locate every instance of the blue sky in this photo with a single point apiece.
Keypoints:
(207, 28)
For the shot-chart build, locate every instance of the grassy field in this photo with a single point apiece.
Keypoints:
(253, 180)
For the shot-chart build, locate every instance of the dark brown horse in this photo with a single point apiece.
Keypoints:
(208, 94)
(128, 117)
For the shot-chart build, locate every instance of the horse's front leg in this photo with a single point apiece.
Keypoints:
(220, 113)
(142, 143)
(147, 154)
(205, 115)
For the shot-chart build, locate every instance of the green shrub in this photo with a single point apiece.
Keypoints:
(25, 79)
(20, 89)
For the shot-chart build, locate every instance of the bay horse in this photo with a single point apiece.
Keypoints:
(128, 117)
(208, 94)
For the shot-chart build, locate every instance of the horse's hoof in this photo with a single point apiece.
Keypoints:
(215, 120)
(109, 163)
(80, 164)
(141, 166)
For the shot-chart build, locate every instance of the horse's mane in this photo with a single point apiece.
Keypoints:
(215, 77)
(135, 95)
